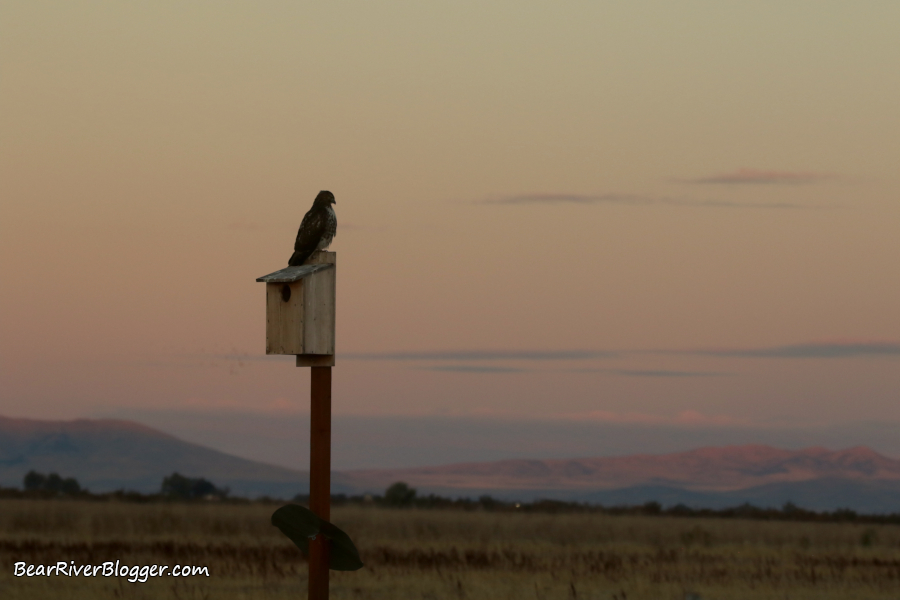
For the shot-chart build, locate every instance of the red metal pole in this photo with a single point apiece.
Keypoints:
(320, 476)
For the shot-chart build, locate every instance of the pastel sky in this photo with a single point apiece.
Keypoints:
(637, 212)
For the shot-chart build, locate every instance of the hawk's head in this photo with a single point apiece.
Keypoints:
(324, 198)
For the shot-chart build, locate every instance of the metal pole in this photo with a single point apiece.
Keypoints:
(320, 476)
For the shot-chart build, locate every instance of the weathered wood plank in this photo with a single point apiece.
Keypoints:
(284, 320)
(318, 304)
(292, 274)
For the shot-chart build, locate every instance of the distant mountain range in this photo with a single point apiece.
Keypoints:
(106, 455)
(814, 478)
(708, 469)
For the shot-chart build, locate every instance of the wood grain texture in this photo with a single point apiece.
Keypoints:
(319, 306)
(305, 324)
(284, 320)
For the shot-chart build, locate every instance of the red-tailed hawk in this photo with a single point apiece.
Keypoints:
(316, 230)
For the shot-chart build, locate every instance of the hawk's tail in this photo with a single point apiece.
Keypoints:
(298, 258)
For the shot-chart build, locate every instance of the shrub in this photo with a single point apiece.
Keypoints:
(399, 494)
(35, 481)
(189, 488)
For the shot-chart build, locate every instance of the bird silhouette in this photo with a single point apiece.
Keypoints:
(316, 230)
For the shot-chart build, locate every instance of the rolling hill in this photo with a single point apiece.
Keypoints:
(105, 455)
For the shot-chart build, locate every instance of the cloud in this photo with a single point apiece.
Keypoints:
(684, 418)
(623, 372)
(202, 359)
(264, 406)
(811, 350)
(559, 198)
(483, 355)
(474, 369)
(664, 373)
(631, 200)
(839, 349)
(526, 355)
(757, 176)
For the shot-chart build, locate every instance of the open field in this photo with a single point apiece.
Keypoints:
(446, 554)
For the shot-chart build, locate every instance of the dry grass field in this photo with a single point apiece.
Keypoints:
(437, 554)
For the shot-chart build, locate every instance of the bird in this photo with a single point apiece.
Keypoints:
(316, 230)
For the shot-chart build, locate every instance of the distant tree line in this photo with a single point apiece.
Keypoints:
(38, 482)
(400, 495)
(174, 487)
(188, 488)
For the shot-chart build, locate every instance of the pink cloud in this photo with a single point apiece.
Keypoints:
(758, 176)
(273, 405)
(692, 417)
(687, 417)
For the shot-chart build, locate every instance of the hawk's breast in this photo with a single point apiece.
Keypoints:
(329, 230)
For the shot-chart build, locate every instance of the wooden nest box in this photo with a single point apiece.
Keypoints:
(300, 311)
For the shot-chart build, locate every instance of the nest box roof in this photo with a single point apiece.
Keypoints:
(292, 274)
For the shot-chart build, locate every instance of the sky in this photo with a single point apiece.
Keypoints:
(639, 213)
